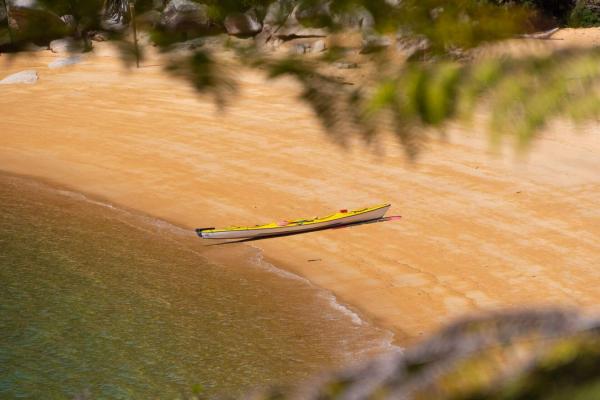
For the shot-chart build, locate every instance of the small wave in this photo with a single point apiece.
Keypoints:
(260, 261)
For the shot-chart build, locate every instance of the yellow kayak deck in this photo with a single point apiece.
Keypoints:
(316, 220)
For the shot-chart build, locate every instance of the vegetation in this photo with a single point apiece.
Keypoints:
(585, 14)
(543, 354)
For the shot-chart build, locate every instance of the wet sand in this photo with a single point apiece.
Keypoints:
(479, 229)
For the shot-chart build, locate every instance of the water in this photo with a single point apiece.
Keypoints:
(100, 301)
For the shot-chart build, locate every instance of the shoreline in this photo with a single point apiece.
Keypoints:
(478, 231)
(219, 257)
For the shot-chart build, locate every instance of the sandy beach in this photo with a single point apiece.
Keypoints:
(480, 229)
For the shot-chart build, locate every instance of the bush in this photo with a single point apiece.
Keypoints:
(585, 14)
(559, 10)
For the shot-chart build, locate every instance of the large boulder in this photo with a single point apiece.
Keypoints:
(29, 76)
(186, 16)
(243, 25)
(31, 22)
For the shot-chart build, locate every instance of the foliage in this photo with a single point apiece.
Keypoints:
(559, 9)
(510, 355)
(585, 14)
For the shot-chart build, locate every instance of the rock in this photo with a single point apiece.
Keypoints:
(293, 28)
(63, 62)
(24, 3)
(244, 25)
(149, 19)
(115, 15)
(281, 22)
(30, 22)
(358, 18)
(70, 22)
(316, 15)
(299, 48)
(278, 12)
(318, 46)
(65, 45)
(374, 43)
(186, 16)
(29, 76)
(411, 45)
(345, 65)
(98, 36)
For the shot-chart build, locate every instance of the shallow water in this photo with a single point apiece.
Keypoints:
(101, 301)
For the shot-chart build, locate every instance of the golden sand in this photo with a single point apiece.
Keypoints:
(479, 230)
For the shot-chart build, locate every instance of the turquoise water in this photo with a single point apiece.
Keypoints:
(103, 302)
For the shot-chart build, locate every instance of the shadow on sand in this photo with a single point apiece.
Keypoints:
(373, 221)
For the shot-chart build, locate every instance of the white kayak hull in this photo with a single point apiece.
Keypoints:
(283, 230)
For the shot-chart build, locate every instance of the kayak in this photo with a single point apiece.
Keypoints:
(341, 218)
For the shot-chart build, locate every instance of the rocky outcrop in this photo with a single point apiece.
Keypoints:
(243, 25)
(282, 24)
(29, 77)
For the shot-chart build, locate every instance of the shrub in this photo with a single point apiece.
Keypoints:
(585, 14)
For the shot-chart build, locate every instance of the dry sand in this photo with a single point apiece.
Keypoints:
(479, 230)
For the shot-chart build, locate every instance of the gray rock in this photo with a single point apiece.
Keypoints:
(63, 62)
(98, 36)
(318, 46)
(246, 24)
(374, 43)
(314, 15)
(30, 22)
(278, 12)
(66, 45)
(300, 48)
(345, 65)
(281, 22)
(29, 76)
(185, 16)
(115, 15)
(24, 3)
(69, 21)
(293, 28)
(358, 18)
